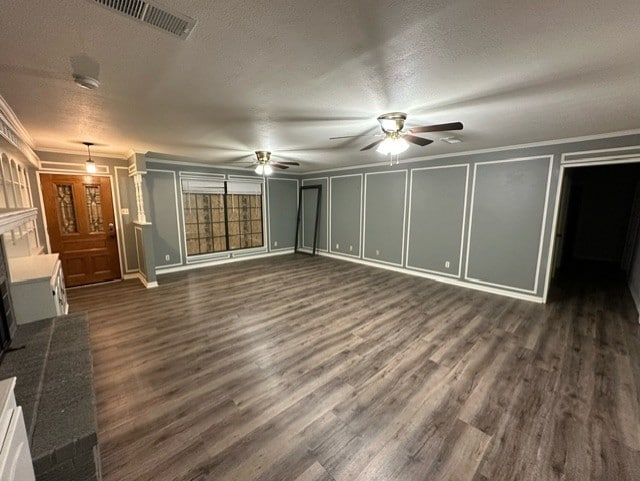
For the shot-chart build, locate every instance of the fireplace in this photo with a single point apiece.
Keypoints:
(7, 321)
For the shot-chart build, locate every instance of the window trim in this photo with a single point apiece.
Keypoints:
(228, 253)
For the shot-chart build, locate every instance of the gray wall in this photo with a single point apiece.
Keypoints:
(506, 221)
(309, 203)
(127, 198)
(345, 212)
(162, 184)
(436, 225)
(282, 196)
(385, 198)
(163, 209)
(493, 227)
(140, 251)
(503, 212)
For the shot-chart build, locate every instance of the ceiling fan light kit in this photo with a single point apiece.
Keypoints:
(264, 169)
(394, 144)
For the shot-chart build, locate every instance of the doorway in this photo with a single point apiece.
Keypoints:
(81, 226)
(597, 227)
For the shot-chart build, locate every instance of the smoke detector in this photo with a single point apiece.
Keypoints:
(86, 82)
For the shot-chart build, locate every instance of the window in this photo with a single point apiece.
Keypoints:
(221, 215)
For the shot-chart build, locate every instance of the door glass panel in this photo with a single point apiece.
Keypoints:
(66, 211)
(94, 208)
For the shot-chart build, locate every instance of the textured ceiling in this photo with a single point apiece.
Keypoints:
(286, 75)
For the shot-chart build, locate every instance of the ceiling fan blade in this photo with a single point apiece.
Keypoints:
(417, 140)
(286, 162)
(250, 166)
(437, 128)
(379, 134)
(348, 137)
(279, 166)
(296, 118)
(371, 145)
(240, 159)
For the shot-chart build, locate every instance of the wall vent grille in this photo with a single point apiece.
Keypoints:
(152, 14)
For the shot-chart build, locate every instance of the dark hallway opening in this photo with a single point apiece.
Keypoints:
(598, 223)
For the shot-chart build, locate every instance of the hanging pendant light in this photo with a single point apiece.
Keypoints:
(89, 164)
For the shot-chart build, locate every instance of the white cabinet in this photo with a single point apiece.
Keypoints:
(15, 457)
(37, 287)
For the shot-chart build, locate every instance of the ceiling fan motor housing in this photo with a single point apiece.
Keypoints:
(263, 156)
(392, 122)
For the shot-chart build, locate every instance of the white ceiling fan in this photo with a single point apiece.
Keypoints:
(395, 139)
(263, 165)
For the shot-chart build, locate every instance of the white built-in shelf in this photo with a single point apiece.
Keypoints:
(13, 218)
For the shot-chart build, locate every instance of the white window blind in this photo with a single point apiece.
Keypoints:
(202, 186)
(245, 188)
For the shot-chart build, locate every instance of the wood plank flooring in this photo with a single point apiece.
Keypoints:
(311, 369)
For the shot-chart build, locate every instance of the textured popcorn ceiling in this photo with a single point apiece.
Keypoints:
(287, 75)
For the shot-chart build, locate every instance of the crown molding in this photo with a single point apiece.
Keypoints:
(544, 143)
(14, 132)
(94, 153)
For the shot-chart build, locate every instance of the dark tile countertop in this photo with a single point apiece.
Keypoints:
(54, 372)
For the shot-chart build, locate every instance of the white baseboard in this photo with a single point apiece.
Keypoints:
(444, 280)
(304, 250)
(224, 260)
(146, 283)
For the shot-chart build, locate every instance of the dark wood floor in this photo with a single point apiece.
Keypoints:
(311, 369)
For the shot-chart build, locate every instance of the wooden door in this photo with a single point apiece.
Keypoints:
(81, 226)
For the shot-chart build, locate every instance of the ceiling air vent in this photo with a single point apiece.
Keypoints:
(151, 14)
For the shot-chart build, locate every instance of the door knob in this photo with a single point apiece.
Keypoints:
(112, 229)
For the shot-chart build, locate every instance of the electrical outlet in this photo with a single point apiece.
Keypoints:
(337, 246)
(275, 243)
(377, 252)
(350, 248)
(124, 211)
(167, 257)
(447, 264)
